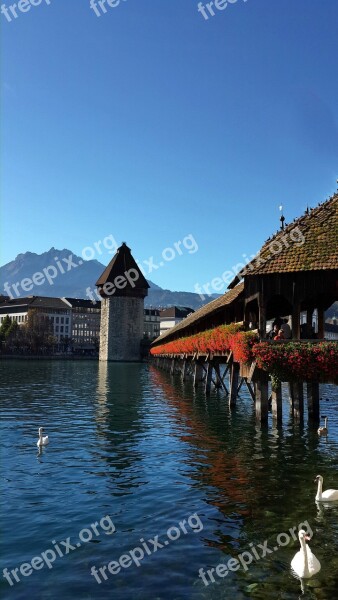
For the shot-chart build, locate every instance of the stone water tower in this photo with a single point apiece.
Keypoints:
(123, 289)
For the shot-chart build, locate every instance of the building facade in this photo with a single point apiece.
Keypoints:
(86, 318)
(169, 317)
(151, 329)
(58, 313)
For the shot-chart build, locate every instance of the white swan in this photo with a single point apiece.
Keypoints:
(323, 430)
(304, 563)
(42, 441)
(326, 496)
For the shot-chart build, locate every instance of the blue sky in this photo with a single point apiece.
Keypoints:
(150, 123)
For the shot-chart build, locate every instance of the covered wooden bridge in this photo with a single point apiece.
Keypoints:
(294, 276)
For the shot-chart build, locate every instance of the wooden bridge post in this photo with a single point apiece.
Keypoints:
(198, 373)
(296, 397)
(172, 368)
(184, 369)
(234, 374)
(262, 397)
(313, 401)
(208, 378)
(298, 400)
(277, 403)
(296, 320)
(321, 321)
(218, 379)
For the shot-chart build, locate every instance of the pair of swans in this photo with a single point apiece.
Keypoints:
(43, 440)
(304, 563)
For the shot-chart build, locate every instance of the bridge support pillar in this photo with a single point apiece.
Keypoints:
(234, 374)
(208, 378)
(296, 399)
(276, 404)
(198, 373)
(313, 402)
(172, 367)
(262, 398)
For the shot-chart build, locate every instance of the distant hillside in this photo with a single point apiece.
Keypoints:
(78, 275)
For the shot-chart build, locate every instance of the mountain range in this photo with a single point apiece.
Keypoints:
(62, 273)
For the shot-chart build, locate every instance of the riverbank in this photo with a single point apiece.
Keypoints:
(44, 357)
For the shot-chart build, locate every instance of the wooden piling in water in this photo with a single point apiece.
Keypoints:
(296, 397)
(172, 366)
(313, 401)
(208, 379)
(298, 401)
(234, 374)
(184, 370)
(198, 373)
(276, 404)
(262, 397)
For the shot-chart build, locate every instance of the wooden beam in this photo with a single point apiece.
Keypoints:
(320, 323)
(296, 321)
(233, 383)
(251, 391)
(184, 370)
(198, 374)
(262, 398)
(313, 402)
(220, 379)
(252, 371)
(208, 378)
(298, 401)
(262, 315)
(172, 367)
(240, 385)
(276, 404)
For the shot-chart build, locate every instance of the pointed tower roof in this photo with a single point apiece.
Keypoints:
(122, 277)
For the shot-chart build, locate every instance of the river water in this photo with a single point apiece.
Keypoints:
(132, 457)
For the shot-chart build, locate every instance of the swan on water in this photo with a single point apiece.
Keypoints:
(304, 563)
(323, 430)
(42, 441)
(326, 496)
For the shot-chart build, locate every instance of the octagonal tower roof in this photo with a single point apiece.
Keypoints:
(122, 277)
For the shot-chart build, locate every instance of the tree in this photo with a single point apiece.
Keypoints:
(65, 342)
(8, 333)
(38, 331)
(5, 326)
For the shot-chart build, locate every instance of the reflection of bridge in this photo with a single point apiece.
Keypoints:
(295, 273)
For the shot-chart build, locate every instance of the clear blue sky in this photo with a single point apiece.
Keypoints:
(150, 123)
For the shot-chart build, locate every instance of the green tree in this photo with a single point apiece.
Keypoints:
(5, 326)
(38, 331)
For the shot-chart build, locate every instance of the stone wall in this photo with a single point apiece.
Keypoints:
(122, 324)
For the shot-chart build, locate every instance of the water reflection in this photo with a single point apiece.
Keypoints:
(260, 481)
(127, 442)
(119, 423)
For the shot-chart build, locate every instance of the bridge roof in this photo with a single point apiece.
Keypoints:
(212, 307)
(308, 244)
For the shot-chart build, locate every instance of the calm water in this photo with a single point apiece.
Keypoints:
(126, 443)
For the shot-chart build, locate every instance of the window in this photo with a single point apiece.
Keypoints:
(57, 329)
(61, 329)
(61, 320)
(56, 319)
